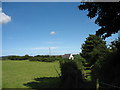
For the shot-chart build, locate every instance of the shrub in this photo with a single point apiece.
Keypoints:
(107, 68)
(35, 59)
(45, 58)
(71, 75)
(26, 57)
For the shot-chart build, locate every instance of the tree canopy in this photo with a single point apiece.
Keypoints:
(93, 48)
(107, 16)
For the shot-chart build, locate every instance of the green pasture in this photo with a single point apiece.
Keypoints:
(29, 74)
(0, 74)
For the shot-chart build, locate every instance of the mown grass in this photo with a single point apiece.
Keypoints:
(88, 74)
(22, 74)
(0, 73)
(88, 82)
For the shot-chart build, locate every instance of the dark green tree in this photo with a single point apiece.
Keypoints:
(107, 68)
(107, 16)
(26, 57)
(93, 49)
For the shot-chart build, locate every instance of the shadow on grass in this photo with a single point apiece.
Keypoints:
(89, 85)
(87, 68)
(45, 82)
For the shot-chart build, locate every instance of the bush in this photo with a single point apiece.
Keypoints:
(35, 59)
(71, 75)
(26, 57)
(50, 59)
(42, 58)
(45, 58)
(107, 68)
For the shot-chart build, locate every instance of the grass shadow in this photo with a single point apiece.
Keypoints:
(89, 85)
(44, 82)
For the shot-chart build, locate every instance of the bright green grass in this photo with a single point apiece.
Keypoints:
(18, 73)
(88, 73)
(0, 74)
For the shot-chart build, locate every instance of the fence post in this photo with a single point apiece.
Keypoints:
(97, 84)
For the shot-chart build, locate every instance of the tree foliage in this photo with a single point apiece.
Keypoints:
(93, 48)
(107, 68)
(107, 16)
(71, 73)
(42, 58)
(14, 57)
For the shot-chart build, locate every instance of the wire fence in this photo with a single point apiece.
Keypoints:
(109, 85)
(99, 83)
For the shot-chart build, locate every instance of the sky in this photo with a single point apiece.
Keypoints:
(34, 28)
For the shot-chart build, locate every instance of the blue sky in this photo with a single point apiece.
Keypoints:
(36, 27)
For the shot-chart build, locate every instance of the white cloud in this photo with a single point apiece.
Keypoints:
(52, 33)
(4, 18)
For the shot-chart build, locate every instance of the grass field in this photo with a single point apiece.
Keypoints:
(0, 73)
(29, 74)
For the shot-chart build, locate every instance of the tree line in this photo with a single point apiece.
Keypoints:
(103, 59)
(42, 58)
